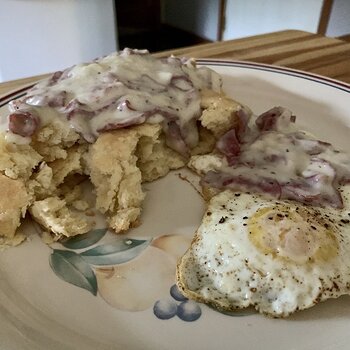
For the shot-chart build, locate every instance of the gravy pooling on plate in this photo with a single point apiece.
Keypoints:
(271, 155)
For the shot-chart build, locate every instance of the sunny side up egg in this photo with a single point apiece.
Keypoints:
(277, 256)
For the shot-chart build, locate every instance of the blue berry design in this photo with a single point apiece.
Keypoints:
(165, 309)
(189, 311)
(176, 294)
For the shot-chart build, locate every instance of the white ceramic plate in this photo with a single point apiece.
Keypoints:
(111, 305)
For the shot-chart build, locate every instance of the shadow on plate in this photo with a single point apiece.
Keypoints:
(330, 309)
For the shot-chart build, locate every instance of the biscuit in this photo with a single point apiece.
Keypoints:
(119, 161)
(14, 201)
(219, 112)
(17, 161)
(54, 214)
(48, 171)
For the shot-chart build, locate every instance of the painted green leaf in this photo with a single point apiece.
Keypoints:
(85, 240)
(115, 253)
(72, 268)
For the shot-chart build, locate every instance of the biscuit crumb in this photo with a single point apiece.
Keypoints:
(90, 212)
(80, 205)
(53, 213)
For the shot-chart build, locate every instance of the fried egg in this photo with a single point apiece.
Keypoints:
(277, 256)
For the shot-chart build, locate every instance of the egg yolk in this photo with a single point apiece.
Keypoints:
(299, 234)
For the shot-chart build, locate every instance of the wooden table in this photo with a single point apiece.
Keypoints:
(291, 48)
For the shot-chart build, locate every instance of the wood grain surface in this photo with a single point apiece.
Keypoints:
(291, 48)
(295, 49)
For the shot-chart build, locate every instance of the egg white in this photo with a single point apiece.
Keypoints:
(277, 256)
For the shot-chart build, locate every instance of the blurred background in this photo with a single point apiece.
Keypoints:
(40, 36)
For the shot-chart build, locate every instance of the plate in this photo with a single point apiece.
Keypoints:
(107, 292)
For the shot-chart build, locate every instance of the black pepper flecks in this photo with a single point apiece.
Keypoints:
(222, 220)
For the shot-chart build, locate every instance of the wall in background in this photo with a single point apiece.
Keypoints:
(339, 21)
(40, 36)
(245, 18)
(195, 16)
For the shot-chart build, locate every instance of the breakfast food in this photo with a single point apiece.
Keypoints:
(271, 155)
(129, 118)
(263, 250)
(276, 256)
(119, 121)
